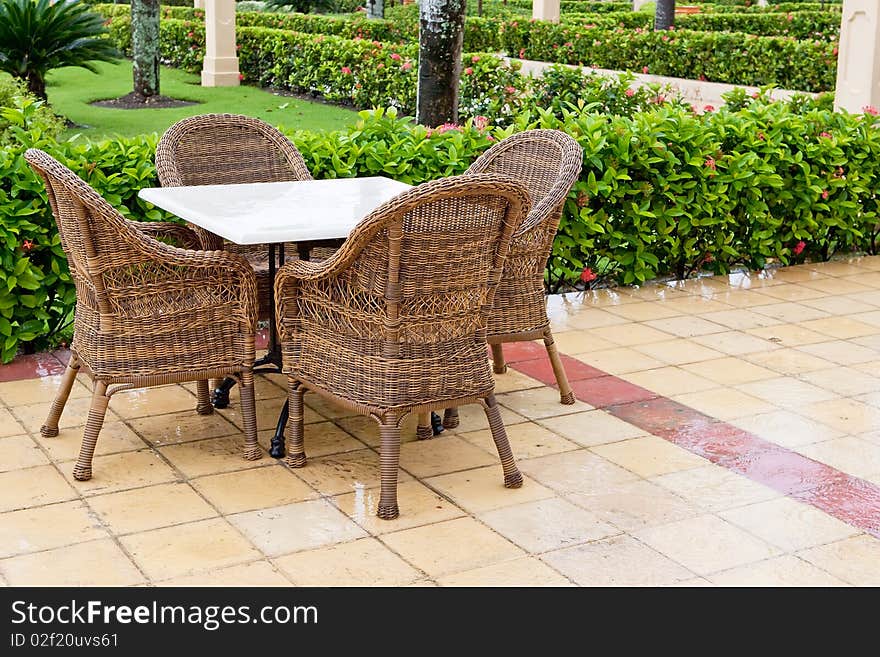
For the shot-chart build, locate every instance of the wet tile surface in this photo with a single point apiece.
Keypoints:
(727, 432)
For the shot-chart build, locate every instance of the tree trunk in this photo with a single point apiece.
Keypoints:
(441, 24)
(375, 9)
(664, 18)
(145, 47)
(36, 84)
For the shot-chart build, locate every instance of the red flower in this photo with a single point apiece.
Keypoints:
(710, 163)
(629, 93)
(241, 77)
(475, 59)
(588, 275)
(826, 135)
(761, 136)
(481, 123)
(346, 70)
(468, 71)
(645, 70)
(27, 245)
(406, 66)
(824, 194)
(799, 248)
(190, 34)
(510, 90)
(395, 57)
(522, 53)
(708, 108)
(870, 109)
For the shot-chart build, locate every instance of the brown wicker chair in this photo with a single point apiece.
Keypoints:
(145, 310)
(394, 322)
(223, 149)
(547, 162)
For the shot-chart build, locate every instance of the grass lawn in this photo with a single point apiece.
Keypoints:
(70, 91)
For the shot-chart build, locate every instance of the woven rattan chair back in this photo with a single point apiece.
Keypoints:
(547, 163)
(394, 322)
(145, 309)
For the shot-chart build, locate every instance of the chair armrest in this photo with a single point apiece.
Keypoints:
(182, 236)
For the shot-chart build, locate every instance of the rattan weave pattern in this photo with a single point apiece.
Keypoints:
(394, 322)
(146, 310)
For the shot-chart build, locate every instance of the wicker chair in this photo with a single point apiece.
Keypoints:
(394, 322)
(223, 149)
(547, 162)
(145, 309)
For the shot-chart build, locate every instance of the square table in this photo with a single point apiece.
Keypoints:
(309, 213)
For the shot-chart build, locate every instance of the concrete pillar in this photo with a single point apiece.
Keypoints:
(545, 10)
(637, 4)
(858, 59)
(220, 68)
(199, 4)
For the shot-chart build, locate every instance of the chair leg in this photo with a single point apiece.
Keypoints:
(252, 450)
(203, 405)
(450, 418)
(50, 428)
(498, 364)
(293, 432)
(82, 471)
(389, 459)
(424, 431)
(512, 477)
(566, 396)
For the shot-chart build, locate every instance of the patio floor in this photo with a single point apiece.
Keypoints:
(727, 432)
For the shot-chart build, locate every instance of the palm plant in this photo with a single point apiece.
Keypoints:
(37, 36)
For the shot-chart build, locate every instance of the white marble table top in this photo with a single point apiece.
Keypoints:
(259, 213)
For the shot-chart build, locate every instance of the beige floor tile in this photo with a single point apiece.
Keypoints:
(738, 319)
(786, 428)
(635, 504)
(779, 571)
(648, 310)
(299, 526)
(122, 471)
(206, 545)
(869, 341)
(482, 489)
(619, 361)
(518, 572)
(143, 509)
(618, 561)
(788, 335)
(31, 487)
(696, 582)
(841, 352)
(786, 392)
(729, 371)
(512, 380)
(669, 381)
(182, 427)
(724, 403)
(706, 544)
(796, 274)
(695, 305)
(419, 505)
(257, 488)
(539, 403)
(576, 472)
(590, 428)
(366, 430)
(343, 473)
(46, 527)
(840, 305)
(744, 298)
(870, 316)
(528, 440)
(839, 268)
(265, 387)
(442, 454)
(365, 562)
(871, 367)
(41, 389)
(735, 343)
(687, 326)
(649, 456)
(145, 402)
(629, 335)
(789, 312)
(204, 457)
(788, 524)
(846, 415)
(98, 563)
(854, 560)
(546, 525)
(321, 439)
(852, 455)
(714, 488)
(576, 342)
(842, 328)
(794, 292)
(325, 407)
(473, 418)
(452, 546)
(840, 285)
(9, 426)
(18, 452)
(789, 362)
(256, 573)
(594, 318)
(678, 352)
(652, 292)
(845, 381)
(115, 437)
(32, 416)
(267, 411)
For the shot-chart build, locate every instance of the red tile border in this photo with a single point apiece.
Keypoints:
(31, 366)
